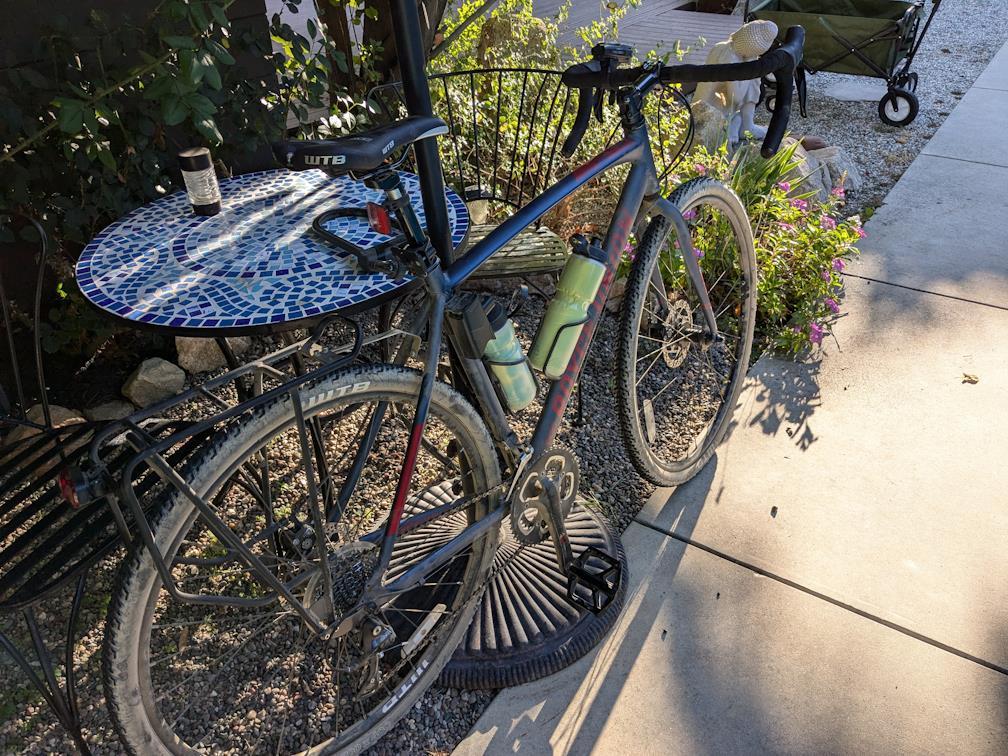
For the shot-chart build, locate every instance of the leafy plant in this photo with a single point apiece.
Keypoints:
(802, 243)
(92, 129)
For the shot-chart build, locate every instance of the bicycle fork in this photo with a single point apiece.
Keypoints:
(668, 209)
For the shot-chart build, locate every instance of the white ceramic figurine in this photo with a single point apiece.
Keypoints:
(737, 100)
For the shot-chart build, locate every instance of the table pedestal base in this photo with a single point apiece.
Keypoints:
(525, 628)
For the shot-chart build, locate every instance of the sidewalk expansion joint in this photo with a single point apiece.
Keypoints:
(828, 599)
(959, 159)
(927, 291)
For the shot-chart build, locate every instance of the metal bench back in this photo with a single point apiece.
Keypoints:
(507, 127)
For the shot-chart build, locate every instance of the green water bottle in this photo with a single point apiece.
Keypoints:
(561, 327)
(504, 355)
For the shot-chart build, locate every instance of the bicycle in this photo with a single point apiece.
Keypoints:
(291, 556)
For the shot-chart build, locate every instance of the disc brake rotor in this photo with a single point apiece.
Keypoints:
(676, 344)
(561, 468)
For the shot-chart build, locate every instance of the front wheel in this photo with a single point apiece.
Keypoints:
(678, 383)
(246, 674)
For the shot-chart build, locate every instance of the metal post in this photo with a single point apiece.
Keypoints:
(410, 52)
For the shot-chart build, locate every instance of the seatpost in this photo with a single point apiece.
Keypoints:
(409, 48)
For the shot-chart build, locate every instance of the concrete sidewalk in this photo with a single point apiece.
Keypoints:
(837, 578)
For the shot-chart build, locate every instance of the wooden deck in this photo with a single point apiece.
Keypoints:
(654, 25)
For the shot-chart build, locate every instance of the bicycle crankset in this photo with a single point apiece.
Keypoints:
(528, 522)
(594, 576)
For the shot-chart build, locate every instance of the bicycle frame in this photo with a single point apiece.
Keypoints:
(639, 192)
(639, 198)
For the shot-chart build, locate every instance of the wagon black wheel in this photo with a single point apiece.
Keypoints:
(898, 108)
(908, 81)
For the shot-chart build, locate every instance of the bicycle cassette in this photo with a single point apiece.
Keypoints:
(528, 512)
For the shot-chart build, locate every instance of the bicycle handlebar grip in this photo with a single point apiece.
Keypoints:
(781, 114)
(792, 47)
(585, 102)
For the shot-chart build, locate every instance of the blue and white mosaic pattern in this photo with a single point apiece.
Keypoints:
(255, 263)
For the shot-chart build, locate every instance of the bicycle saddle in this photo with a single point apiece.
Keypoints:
(358, 153)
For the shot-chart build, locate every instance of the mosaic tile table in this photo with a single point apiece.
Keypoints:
(254, 266)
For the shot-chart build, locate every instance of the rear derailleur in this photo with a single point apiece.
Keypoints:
(541, 501)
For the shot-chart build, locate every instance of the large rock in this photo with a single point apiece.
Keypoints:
(710, 127)
(201, 355)
(809, 175)
(154, 380)
(114, 410)
(59, 416)
(840, 167)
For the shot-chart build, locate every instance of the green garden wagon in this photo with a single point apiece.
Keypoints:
(877, 38)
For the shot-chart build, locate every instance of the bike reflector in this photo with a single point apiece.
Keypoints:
(378, 219)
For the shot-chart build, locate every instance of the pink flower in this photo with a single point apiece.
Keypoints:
(790, 227)
(690, 214)
(838, 265)
(825, 275)
(838, 191)
(700, 168)
(860, 232)
(827, 222)
(815, 333)
(832, 305)
(800, 204)
(784, 186)
(698, 253)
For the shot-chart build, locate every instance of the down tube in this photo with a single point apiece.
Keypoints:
(619, 231)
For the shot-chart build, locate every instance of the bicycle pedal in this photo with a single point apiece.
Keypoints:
(593, 580)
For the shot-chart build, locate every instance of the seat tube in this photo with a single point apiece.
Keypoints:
(409, 48)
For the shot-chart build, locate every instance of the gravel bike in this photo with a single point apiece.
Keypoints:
(309, 573)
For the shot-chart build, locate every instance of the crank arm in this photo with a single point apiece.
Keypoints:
(554, 518)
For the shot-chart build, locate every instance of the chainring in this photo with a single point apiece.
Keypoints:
(558, 465)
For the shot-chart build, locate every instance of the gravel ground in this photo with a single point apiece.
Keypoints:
(443, 716)
(962, 40)
(965, 35)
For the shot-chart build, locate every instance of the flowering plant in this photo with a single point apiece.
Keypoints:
(801, 244)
